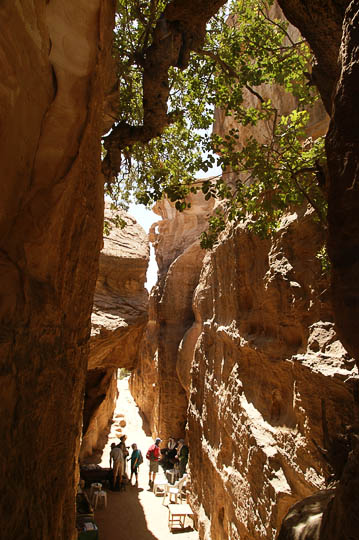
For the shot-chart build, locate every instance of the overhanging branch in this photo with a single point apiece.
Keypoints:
(180, 29)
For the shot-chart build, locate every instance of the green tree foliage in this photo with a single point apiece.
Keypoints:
(114, 221)
(122, 373)
(244, 51)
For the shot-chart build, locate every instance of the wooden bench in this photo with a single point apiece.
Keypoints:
(177, 514)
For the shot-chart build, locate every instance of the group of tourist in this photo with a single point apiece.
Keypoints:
(174, 456)
(118, 456)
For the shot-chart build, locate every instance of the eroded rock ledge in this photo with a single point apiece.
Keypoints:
(118, 320)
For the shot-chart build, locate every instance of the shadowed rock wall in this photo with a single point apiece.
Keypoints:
(54, 60)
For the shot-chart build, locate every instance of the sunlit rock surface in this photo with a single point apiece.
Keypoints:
(270, 390)
(118, 320)
(120, 302)
(268, 377)
(155, 383)
(245, 333)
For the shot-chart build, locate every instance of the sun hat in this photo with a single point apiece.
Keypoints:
(158, 440)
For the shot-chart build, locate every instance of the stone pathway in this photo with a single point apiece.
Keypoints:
(136, 514)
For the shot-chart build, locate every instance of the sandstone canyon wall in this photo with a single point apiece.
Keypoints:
(332, 30)
(268, 386)
(55, 64)
(155, 383)
(118, 320)
(268, 379)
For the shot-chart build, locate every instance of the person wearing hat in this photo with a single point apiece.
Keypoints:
(124, 448)
(117, 459)
(171, 452)
(171, 443)
(153, 455)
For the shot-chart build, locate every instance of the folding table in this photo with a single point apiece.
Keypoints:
(177, 514)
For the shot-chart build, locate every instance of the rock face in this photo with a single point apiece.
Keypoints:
(55, 64)
(250, 359)
(268, 385)
(118, 320)
(260, 370)
(333, 37)
(268, 378)
(99, 405)
(155, 383)
(120, 301)
(321, 23)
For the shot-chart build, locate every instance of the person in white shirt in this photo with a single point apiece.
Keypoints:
(116, 457)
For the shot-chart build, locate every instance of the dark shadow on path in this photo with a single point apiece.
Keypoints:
(179, 530)
(123, 519)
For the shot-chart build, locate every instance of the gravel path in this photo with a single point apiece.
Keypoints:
(136, 514)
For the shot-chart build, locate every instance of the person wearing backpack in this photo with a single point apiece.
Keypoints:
(136, 460)
(153, 455)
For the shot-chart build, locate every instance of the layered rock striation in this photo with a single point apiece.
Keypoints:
(267, 379)
(118, 320)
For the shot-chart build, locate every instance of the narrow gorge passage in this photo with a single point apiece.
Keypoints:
(248, 350)
(136, 513)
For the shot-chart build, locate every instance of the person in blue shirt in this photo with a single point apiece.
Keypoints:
(136, 460)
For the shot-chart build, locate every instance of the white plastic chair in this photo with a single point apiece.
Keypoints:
(160, 483)
(102, 499)
(175, 490)
(96, 486)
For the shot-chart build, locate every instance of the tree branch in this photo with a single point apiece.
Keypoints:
(267, 18)
(250, 89)
(180, 29)
(306, 195)
(230, 71)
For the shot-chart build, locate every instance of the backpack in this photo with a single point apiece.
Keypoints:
(150, 454)
(140, 459)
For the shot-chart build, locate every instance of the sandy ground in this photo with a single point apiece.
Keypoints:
(136, 514)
